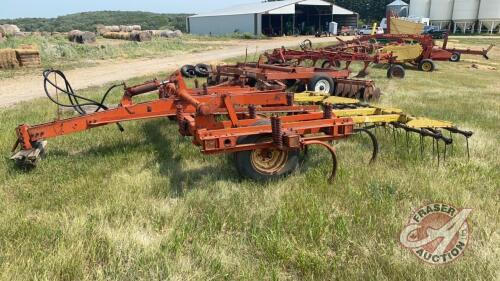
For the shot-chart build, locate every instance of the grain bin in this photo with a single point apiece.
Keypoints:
(465, 15)
(420, 8)
(489, 14)
(397, 8)
(441, 13)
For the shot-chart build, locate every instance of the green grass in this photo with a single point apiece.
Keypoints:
(58, 52)
(145, 204)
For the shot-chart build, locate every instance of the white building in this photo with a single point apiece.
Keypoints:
(272, 18)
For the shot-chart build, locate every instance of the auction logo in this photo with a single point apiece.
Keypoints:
(437, 233)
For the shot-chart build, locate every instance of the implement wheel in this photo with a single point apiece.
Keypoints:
(267, 163)
(426, 65)
(188, 71)
(396, 71)
(321, 83)
(455, 57)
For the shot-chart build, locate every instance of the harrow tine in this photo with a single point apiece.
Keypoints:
(437, 148)
(444, 154)
(395, 140)
(468, 151)
(422, 146)
(451, 137)
(407, 142)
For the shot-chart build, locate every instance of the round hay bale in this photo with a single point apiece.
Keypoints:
(88, 37)
(113, 28)
(136, 27)
(73, 34)
(101, 29)
(9, 29)
(178, 33)
(166, 33)
(141, 36)
(126, 28)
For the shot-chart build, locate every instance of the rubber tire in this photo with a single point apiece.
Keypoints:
(202, 70)
(455, 57)
(318, 77)
(394, 69)
(244, 164)
(423, 62)
(306, 45)
(188, 71)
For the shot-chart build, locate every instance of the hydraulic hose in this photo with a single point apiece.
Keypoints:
(76, 102)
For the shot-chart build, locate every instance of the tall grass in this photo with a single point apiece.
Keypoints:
(145, 204)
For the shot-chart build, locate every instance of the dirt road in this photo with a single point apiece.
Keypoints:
(27, 87)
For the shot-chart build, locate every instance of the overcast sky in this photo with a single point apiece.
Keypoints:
(54, 8)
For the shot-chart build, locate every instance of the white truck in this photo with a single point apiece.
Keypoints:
(367, 30)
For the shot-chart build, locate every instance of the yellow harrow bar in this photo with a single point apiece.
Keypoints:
(368, 116)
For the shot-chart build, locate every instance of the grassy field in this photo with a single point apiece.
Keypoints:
(145, 204)
(58, 52)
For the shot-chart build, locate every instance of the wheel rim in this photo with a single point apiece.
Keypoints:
(268, 161)
(454, 57)
(322, 86)
(397, 72)
(426, 66)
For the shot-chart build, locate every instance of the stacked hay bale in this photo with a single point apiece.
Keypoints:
(9, 30)
(82, 37)
(8, 59)
(140, 36)
(28, 56)
(103, 29)
(130, 28)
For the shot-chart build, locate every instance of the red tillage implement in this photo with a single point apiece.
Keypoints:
(265, 76)
(265, 129)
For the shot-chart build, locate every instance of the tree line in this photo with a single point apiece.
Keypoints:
(89, 20)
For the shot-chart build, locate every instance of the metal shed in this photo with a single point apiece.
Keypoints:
(272, 18)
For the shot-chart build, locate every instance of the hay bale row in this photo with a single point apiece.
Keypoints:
(140, 36)
(130, 28)
(8, 59)
(9, 29)
(82, 37)
(117, 35)
(102, 29)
